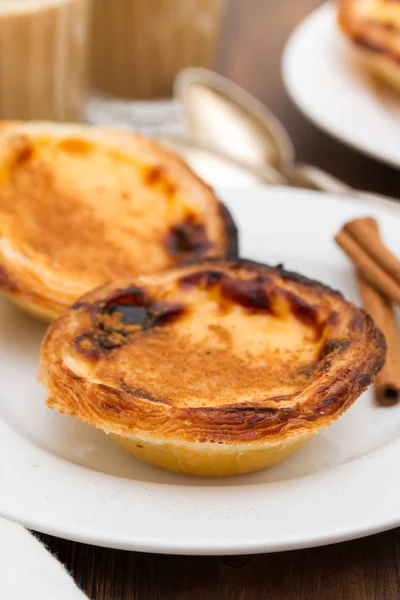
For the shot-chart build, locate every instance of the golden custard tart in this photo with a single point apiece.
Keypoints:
(80, 206)
(215, 368)
(374, 28)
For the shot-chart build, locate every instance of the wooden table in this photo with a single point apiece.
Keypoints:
(367, 569)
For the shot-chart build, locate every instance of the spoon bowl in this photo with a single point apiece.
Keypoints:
(224, 115)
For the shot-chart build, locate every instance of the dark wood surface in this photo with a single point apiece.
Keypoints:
(368, 569)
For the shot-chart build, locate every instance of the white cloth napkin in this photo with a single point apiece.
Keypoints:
(28, 571)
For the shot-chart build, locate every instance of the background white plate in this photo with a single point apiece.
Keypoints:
(60, 476)
(325, 79)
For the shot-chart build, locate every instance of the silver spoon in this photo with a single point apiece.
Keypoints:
(221, 115)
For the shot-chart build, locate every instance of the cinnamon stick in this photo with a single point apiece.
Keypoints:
(387, 382)
(365, 231)
(360, 240)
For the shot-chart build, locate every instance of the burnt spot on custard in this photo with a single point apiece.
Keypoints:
(153, 175)
(301, 310)
(23, 156)
(156, 177)
(132, 296)
(308, 314)
(21, 153)
(122, 316)
(129, 314)
(251, 294)
(133, 308)
(163, 314)
(187, 237)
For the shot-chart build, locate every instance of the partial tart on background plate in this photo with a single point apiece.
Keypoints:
(80, 206)
(374, 28)
(215, 368)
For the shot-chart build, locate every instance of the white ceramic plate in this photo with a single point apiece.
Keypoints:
(62, 477)
(329, 85)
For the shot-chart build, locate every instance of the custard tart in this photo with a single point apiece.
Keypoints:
(80, 206)
(215, 368)
(374, 28)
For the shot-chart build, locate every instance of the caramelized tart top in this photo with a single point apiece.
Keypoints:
(80, 206)
(214, 351)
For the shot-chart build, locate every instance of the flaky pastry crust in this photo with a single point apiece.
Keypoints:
(213, 368)
(80, 206)
(374, 28)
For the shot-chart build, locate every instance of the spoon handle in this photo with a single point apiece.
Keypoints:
(191, 149)
(308, 176)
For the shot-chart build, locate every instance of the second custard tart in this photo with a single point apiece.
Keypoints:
(215, 368)
(80, 206)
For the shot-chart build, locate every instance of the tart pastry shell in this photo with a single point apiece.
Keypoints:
(214, 368)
